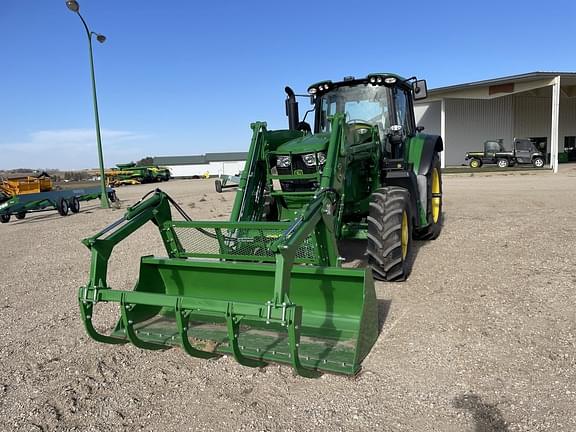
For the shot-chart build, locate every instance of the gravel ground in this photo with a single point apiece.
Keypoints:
(480, 338)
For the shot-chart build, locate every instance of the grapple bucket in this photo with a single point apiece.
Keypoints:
(218, 294)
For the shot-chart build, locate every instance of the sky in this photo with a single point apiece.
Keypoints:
(184, 78)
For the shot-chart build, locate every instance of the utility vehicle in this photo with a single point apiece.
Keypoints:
(523, 152)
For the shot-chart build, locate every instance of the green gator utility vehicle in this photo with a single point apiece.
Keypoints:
(523, 152)
(268, 285)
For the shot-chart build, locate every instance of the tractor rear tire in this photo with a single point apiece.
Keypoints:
(75, 205)
(434, 200)
(389, 233)
(21, 215)
(5, 218)
(63, 207)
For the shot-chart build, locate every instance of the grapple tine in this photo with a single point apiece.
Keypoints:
(182, 320)
(125, 309)
(86, 311)
(294, 325)
(233, 327)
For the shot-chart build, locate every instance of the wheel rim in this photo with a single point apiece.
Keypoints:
(405, 236)
(502, 164)
(538, 162)
(436, 195)
(474, 164)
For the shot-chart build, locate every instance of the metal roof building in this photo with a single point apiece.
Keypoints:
(538, 105)
(213, 164)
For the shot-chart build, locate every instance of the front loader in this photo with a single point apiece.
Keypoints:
(268, 285)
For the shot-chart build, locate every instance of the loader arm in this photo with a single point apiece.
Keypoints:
(249, 197)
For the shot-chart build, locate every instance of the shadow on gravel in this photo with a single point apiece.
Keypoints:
(487, 417)
(37, 217)
(383, 310)
(354, 253)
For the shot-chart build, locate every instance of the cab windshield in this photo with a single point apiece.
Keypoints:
(361, 104)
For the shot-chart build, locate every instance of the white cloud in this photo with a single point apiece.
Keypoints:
(71, 149)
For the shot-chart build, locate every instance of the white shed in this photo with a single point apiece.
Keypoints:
(215, 164)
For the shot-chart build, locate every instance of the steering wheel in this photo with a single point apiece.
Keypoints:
(358, 122)
(357, 133)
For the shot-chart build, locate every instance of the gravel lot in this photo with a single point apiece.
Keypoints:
(480, 338)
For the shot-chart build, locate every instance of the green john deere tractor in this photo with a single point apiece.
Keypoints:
(268, 285)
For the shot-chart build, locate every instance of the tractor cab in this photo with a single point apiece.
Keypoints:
(381, 102)
(378, 116)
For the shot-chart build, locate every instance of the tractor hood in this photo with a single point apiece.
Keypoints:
(306, 144)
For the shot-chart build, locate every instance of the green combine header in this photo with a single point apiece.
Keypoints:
(268, 285)
(130, 173)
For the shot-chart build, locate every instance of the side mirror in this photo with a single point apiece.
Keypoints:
(420, 90)
(420, 129)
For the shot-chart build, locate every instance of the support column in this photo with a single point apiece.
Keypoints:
(443, 132)
(555, 124)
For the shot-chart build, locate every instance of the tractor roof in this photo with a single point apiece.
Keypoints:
(379, 78)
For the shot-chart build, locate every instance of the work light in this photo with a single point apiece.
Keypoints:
(283, 161)
(309, 159)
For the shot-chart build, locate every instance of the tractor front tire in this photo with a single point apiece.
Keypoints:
(389, 233)
(218, 185)
(21, 215)
(5, 218)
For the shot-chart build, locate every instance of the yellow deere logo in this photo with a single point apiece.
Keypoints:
(298, 172)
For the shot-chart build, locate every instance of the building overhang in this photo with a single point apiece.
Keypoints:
(499, 87)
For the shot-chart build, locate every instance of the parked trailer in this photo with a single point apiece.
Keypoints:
(62, 200)
(226, 182)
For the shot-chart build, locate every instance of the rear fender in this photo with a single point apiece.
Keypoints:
(422, 150)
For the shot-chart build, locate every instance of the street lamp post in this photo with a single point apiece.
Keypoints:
(75, 7)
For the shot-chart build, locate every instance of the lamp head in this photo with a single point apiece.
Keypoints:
(100, 38)
(73, 5)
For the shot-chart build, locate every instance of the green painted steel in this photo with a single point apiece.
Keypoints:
(46, 200)
(258, 307)
(415, 149)
(267, 285)
(305, 144)
(414, 156)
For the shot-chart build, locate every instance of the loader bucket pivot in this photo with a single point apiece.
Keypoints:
(236, 288)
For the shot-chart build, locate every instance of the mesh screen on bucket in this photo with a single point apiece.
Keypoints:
(250, 244)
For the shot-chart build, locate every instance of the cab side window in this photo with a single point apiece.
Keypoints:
(402, 107)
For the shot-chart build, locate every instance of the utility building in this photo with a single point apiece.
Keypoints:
(212, 164)
(538, 105)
